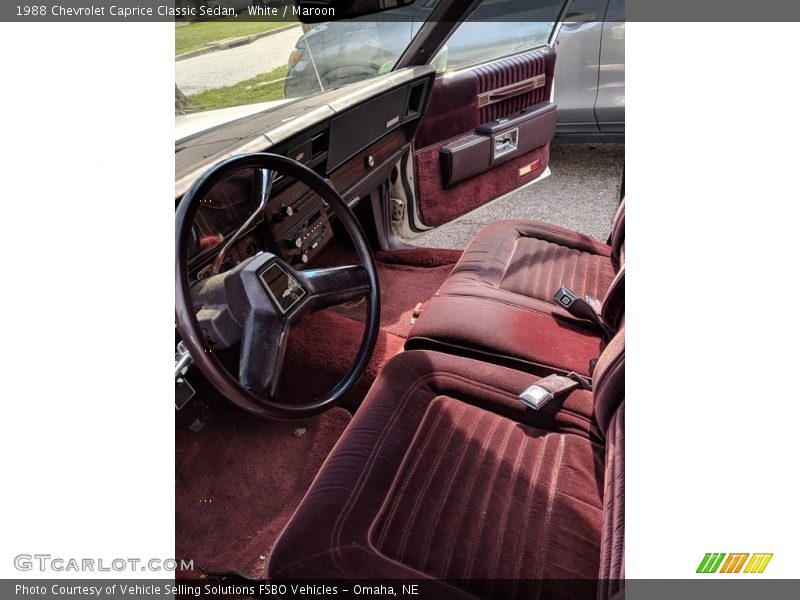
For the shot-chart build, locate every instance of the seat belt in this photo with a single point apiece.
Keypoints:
(586, 308)
(553, 386)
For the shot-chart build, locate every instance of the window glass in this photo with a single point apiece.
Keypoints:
(499, 28)
(234, 63)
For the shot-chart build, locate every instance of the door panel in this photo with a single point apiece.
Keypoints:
(465, 107)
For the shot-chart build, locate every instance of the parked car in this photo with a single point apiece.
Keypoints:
(590, 70)
(590, 93)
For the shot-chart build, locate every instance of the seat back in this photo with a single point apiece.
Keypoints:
(617, 240)
(613, 310)
(609, 406)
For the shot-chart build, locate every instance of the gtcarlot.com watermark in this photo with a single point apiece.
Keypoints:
(47, 562)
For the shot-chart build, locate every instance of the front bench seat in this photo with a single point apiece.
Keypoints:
(497, 304)
(443, 473)
(525, 262)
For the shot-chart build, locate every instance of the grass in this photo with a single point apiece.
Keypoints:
(261, 88)
(194, 36)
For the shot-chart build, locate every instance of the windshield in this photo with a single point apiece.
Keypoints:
(236, 62)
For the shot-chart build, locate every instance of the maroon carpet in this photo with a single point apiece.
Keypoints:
(407, 278)
(402, 288)
(321, 351)
(239, 479)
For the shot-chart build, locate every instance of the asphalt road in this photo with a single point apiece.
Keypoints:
(581, 194)
(228, 67)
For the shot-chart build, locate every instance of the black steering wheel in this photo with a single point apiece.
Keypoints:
(257, 302)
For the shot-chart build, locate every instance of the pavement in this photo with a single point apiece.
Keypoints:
(229, 67)
(581, 194)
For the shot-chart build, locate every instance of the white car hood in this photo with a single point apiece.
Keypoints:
(189, 125)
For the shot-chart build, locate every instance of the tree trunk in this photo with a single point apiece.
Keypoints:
(181, 101)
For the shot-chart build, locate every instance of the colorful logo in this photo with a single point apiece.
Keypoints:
(734, 563)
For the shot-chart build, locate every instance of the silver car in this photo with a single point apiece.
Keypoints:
(590, 72)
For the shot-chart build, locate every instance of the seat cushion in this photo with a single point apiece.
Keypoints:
(525, 262)
(497, 303)
(514, 336)
(444, 473)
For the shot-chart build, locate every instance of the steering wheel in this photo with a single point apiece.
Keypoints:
(257, 302)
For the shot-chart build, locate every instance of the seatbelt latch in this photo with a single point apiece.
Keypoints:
(547, 388)
(587, 308)
(536, 397)
(565, 297)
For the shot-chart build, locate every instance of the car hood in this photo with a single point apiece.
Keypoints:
(187, 126)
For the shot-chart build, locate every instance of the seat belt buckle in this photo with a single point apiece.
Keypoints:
(565, 297)
(587, 308)
(536, 396)
(552, 386)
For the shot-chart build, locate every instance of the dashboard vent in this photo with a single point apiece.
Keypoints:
(415, 97)
(319, 144)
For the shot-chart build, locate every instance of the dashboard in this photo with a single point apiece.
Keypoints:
(355, 137)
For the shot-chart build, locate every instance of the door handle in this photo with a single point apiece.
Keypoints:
(509, 91)
(576, 19)
(580, 17)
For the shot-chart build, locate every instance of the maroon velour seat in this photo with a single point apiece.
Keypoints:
(498, 305)
(444, 473)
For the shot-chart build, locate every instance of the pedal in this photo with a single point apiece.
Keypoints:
(183, 389)
(183, 393)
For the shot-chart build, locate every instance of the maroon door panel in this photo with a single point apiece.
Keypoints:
(461, 103)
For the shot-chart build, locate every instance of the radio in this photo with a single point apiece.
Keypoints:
(299, 225)
(304, 241)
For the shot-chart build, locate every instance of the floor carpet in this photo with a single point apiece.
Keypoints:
(407, 278)
(239, 479)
